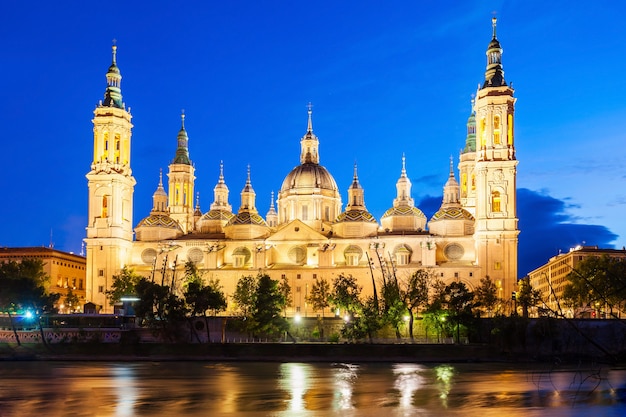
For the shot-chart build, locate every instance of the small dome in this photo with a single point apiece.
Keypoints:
(113, 69)
(217, 215)
(452, 213)
(494, 44)
(159, 220)
(356, 216)
(246, 218)
(307, 176)
(404, 211)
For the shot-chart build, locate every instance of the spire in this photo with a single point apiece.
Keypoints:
(272, 215)
(248, 196)
(220, 193)
(182, 152)
(310, 123)
(309, 144)
(451, 191)
(356, 200)
(494, 75)
(113, 93)
(403, 188)
(159, 198)
(197, 211)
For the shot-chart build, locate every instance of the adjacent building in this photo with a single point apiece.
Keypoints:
(66, 272)
(308, 232)
(550, 280)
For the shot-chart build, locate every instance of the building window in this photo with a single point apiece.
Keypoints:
(298, 289)
(298, 276)
(456, 275)
(305, 213)
(100, 272)
(80, 284)
(497, 266)
(471, 274)
(495, 202)
(283, 276)
(496, 130)
(100, 289)
(105, 206)
(314, 276)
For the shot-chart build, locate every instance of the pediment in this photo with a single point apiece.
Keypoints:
(296, 230)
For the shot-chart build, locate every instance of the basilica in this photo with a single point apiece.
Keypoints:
(308, 233)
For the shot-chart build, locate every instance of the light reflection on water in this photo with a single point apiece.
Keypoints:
(305, 389)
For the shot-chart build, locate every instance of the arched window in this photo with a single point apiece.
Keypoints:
(496, 130)
(509, 136)
(495, 202)
(483, 132)
(105, 206)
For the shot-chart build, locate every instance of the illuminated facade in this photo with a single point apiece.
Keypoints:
(308, 234)
(66, 272)
(550, 279)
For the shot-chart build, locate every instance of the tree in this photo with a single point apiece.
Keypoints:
(200, 298)
(459, 301)
(597, 280)
(435, 315)
(123, 284)
(245, 295)
(394, 308)
(159, 307)
(487, 294)
(23, 291)
(71, 300)
(318, 298)
(346, 296)
(415, 294)
(526, 296)
(285, 289)
(268, 304)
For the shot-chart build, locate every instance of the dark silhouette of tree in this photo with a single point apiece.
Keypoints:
(459, 301)
(597, 281)
(268, 304)
(201, 298)
(345, 296)
(159, 308)
(487, 295)
(71, 300)
(526, 296)
(435, 314)
(394, 308)
(414, 293)
(22, 291)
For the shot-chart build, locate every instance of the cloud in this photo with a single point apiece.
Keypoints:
(546, 228)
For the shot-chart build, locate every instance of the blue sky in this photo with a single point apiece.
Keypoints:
(384, 79)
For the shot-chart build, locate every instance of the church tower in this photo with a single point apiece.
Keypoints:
(496, 230)
(181, 180)
(467, 165)
(111, 185)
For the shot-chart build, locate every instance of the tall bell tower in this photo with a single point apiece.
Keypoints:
(496, 230)
(111, 185)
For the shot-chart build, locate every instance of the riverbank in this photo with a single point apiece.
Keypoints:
(275, 352)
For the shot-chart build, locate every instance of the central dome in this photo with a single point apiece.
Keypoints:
(308, 177)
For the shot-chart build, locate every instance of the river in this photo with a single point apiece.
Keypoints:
(307, 389)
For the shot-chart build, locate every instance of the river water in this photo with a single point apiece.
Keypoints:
(307, 389)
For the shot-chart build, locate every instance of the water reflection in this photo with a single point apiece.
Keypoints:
(302, 389)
